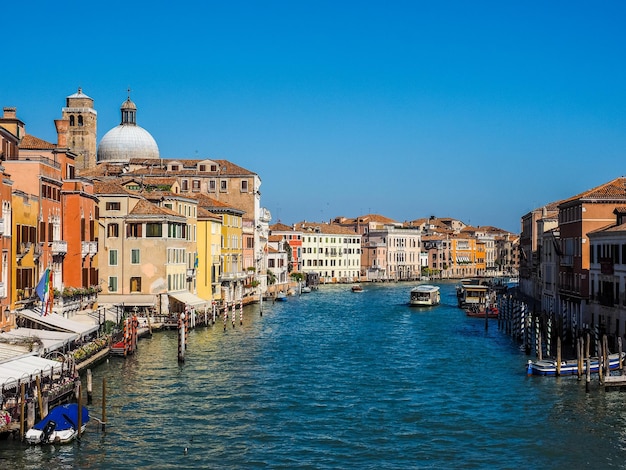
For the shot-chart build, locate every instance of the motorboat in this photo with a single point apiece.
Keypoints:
(425, 295)
(357, 288)
(60, 426)
(570, 367)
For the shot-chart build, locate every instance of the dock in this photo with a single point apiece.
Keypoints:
(615, 382)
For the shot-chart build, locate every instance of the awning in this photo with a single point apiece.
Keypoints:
(56, 322)
(12, 371)
(51, 340)
(132, 300)
(188, 298)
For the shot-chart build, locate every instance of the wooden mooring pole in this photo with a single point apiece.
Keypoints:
(89, 387)
(558, 355)
(588, 371)
(22, 410)
(181, 338)
(80, 408)
(104, 404)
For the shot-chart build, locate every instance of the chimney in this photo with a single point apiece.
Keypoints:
(10, 113)
(62, 126)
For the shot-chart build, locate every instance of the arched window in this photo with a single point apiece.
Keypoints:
(80, 121)
(72, 122)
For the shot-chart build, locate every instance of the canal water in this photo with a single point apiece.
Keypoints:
(335, 379)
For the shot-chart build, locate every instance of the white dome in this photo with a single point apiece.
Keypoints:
(126, 141)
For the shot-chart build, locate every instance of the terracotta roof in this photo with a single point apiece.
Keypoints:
(205, 214)
(280, 227)
(275, 238)
(108, 187)
(144, 207)
(613, 190)
(325, 228)
(34, 143)
(190, 166)
(213, 204)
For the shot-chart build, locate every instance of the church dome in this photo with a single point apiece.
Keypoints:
(128, 140)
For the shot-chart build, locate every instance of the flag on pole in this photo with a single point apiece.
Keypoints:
(43, 291)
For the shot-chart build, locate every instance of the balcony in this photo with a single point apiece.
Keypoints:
(59, 247)
(37, 251)
(84, 249)
(22, 250)
(93, 248)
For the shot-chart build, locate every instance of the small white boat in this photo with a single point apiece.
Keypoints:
(357, 288)
(305, 290)
(425, 295)
(60, 426)
(280, 297)
(548, 366)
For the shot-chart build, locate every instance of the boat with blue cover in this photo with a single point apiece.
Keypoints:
(60, 426)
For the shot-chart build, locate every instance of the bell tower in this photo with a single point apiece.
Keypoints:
(82, 132)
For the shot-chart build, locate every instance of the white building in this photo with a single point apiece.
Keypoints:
(332, 251)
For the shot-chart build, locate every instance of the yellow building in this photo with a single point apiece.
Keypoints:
(209, 255)
(24, 271)
(231, 274)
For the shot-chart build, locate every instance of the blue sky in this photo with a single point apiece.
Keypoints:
(475, 110)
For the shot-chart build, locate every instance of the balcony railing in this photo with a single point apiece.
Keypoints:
(59, 247)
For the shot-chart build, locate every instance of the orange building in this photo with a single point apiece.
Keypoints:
(8, 148)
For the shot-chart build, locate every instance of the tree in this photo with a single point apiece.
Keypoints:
(287, 248)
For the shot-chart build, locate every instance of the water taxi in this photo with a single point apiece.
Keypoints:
(425, 296)
(357, 288)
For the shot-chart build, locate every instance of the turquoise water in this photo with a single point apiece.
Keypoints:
(335, 379)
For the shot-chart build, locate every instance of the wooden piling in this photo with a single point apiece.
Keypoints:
(579, 357)
(30, 414)
(80, 409)
(22, 411)
(181, 338)
(89, 387)
(619, 350)
(588, 371)
(104, 404)
(39, 398)
(600, 361)
(605, 356)
(558, 355)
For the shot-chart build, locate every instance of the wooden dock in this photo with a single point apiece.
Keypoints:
(615, 382)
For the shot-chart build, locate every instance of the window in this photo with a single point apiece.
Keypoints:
(184, 185)
(113, 230)
(195, 185)
(202, 167)
(80, 120)
(112, 284)
(223, 185)
(154, 229)
(244, 186)
(134, 256)
(72, 121)
(133, 230)
(135, 284)
(213, 167)
(211, 186)
(112, 257)
(113, 206)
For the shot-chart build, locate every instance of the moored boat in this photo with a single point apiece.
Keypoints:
(60, 426)
(482, 311)
(280, 297)
(425, 295)
(357, 288)
(570, 367)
